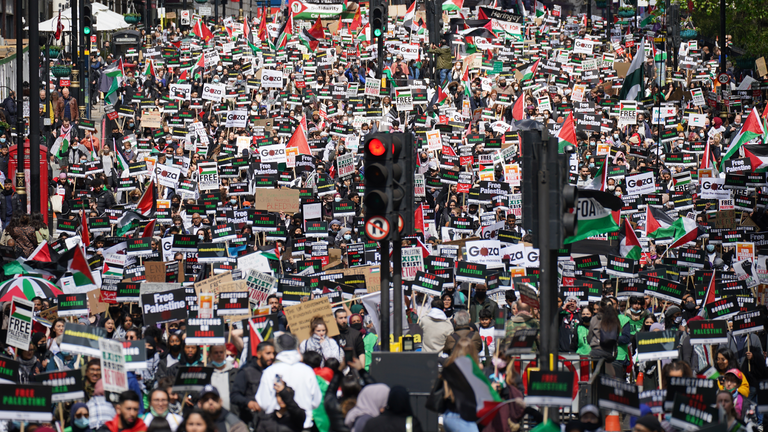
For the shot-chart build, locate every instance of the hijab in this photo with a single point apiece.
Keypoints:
(399, 402)
(370, 401)
(72, 413)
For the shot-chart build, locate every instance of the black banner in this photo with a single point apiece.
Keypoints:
(72, 304)
(708, 332)
(192, 378)
(550, 388)
(205, 331)
(653, 346)
(66, 385)
(25, 402)
(233, 303)
(79, 339)
(162, 307)
(618, 395)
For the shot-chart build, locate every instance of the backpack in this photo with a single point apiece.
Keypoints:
(609, 339)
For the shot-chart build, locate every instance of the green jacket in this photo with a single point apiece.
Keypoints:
(622, 352)
(444, 57)
(636, 325)
(582, 347)
(370, 340)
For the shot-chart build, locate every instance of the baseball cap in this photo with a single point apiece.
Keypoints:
(208, 389)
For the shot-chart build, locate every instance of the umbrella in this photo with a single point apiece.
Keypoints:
(28, 287)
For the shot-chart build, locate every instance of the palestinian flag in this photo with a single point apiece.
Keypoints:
(674, 231)
(79, 268)
(688, 232)
(593, 220)
(518, 108)
(65, 141)
(530, 71)
(540, 9)
(757, 154)
(127, 222)
(656, 219)
(709, 297)
(706, 160)
(632, 89)
(121, 162)
(308, 40)
(149, 230)
(567, 134)
(43, 253)
(114, 71)
(408, 17)
(146, 204)
(285, 34)
(472, 390)
(453, 5)
(630, 245)
(751, 129)
(601, 177)
(299, 138)
(22, 311)
(149, 70)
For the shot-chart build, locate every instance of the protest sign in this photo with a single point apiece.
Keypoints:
(653, 346)
(135, 355)
(162, 307)
(20, 323)
(299, 317)
(66, 385)
(114, 376)
(26, 402)
(192, 378)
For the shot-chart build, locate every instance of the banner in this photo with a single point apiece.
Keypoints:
(162, 307)
(550, 388)
(192, 378)
(653, 346)
(25, 402)
(135, 355)
(79, 339)
(614, 394)
(66, 385)
(205, 331)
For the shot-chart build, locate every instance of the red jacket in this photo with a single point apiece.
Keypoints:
(114, 426)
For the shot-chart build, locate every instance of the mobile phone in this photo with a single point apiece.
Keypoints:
(348, 355)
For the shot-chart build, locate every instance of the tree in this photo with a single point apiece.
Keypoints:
(745, 20)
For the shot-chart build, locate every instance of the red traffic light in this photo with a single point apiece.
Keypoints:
(376, 147)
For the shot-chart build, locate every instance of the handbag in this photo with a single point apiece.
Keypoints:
(436, 398)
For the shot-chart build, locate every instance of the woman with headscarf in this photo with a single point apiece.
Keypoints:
(370, 403)
(398, 415)
(79, 418)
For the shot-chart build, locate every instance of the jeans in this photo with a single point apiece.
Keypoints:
(454, 423)
(443, 74)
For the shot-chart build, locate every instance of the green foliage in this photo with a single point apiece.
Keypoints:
(745, 20)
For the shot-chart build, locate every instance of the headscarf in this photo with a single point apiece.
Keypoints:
(72, 413)
(399, 402)
(370, 401)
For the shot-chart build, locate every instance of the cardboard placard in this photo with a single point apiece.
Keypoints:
(299, 317)
(95, 305)
(213, 284)
(276, 200)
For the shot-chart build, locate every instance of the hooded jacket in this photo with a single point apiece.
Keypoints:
(114, 426)
(436, 329)
(298, 376)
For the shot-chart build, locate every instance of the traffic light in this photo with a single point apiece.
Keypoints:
(563, 197)
(378, 21)
(88, 21)
(376, 163)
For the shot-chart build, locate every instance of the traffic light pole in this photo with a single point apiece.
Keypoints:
(397, 280)
(384, 287)
(548, 261)
(34, 111)
(75, 26)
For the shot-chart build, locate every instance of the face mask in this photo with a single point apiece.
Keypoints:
(615, 136)
(499, 363)
(202, 237)
(357, 326)
(130, 124)
(230, 359)
(81, 423)
(678, 320)
(591, 165)
(218, 364)
(347, 237)
(611, 187)
(710, 248)
(690, 305)
(233, 201)
(636, 311)
(337, 199)
(702, 134)
(586, 320)
(215, 80)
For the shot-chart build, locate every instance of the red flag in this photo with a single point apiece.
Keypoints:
(84, 233)
(262, 32)
(418, 219)
(43, 253)
(202, 31)
(316, 31)
(518, 109)
(147, 201)
(246, 29)
(357, 21)
(149, 230)
(183, 76)
(299, 138)
(59, 27)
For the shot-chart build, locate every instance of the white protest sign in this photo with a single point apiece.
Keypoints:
(434, 143)
(486, 252)
(345, 164)
(697, 120)
(273, 153)
(113, 373)
(20, 323)
(214, 92)
(237, 118)
(640, 184)
(173, 89)
(271, 78)
(583, 46)
(208, 179)
(167, 175)
(714, 188)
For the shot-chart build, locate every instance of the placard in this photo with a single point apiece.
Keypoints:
(550, 388)
(114, 376)
(614, 394)
(205, 331)
(162, 307)
(72, 304)
(708, 332)
(135, 355)
(83, 340)
(653, 346)
(299, 317)
(234, 303)
(26, 402)
(20, 324)
(66, 385)
(191, 379)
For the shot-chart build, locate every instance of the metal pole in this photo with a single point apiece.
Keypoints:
(34, 111)
(19, 83)
(722, 36)
(384, 285)
(215, 13)
(75, 88)
(397, 281)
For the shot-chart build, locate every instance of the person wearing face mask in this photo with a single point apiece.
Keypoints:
(712, 254)
(636, 314)
(481, 301)
(579, 342)
(349, 339)
(590, 419)
(79, 418)
(223, 375)
(673, 318)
